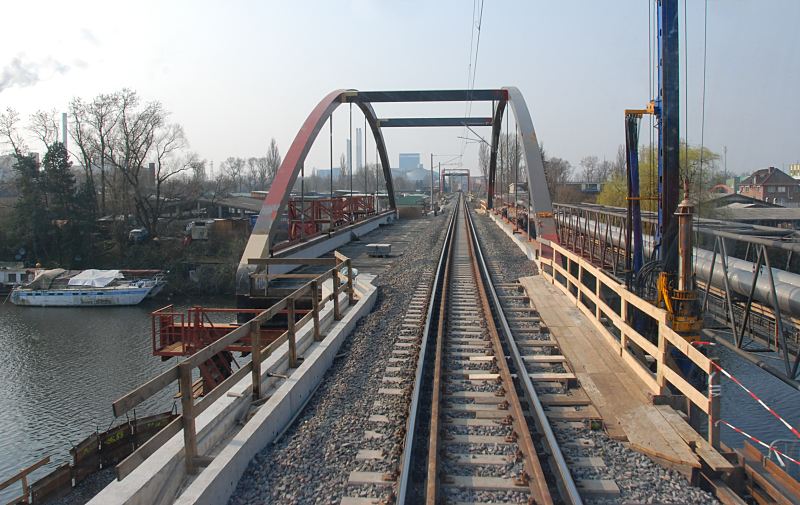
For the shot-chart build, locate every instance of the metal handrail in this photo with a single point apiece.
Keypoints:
(788, 442)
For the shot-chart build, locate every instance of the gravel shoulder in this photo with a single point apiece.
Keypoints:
(312, 461)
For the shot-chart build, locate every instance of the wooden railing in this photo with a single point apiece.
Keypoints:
(182, 372)
(593, 298)
(22, 476)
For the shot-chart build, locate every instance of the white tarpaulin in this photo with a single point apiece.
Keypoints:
(95, 278)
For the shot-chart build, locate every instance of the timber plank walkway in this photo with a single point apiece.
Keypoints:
(616, 391)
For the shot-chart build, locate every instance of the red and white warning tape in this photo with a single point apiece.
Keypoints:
(754, 439)
(758, 400)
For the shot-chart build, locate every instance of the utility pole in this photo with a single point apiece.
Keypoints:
(350, 162)
(432, 207)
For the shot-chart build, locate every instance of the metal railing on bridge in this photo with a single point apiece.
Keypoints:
(735, 265)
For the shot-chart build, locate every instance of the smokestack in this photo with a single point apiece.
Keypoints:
(64, 129)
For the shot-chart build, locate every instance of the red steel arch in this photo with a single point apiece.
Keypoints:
(260, 243)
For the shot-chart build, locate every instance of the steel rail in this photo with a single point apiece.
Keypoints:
(566, 485)
(410, 438)
(538, 484)
(432, 481)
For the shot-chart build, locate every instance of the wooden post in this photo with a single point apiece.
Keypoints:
(187, 408)
(315, 309)
(351, 294)
(25, 490)
(255, 344)
(713, 404)
(623, 337)
(597, 294)
(661, 359)
(337, 315)
(290, 331)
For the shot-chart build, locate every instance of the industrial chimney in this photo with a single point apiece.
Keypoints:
(64, 129)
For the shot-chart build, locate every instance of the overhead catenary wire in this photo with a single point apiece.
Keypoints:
(651, 48)
(350, 163)
(473, 63)
(686, 86)
(702, 110)
(469, 66)
(703, 99)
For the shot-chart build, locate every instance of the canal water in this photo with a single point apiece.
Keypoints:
(741, 410)
(62, 368)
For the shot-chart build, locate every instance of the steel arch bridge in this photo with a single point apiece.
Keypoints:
(260, 244)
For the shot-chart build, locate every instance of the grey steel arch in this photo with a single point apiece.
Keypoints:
(537, 182)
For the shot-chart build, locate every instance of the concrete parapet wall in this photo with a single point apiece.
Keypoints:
(217, 482)
(526, 247)
(318, 246)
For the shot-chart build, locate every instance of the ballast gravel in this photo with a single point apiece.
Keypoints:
(311, 462)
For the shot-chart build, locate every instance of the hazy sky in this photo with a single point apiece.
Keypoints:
(237, 73)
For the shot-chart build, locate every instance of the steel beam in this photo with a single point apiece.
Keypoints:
(405, 122)
(445, 95)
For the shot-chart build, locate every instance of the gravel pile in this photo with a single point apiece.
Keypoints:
(639, 479)
(312, 461)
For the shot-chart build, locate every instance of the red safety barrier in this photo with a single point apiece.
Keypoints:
(757, 399)
(308, 218)
(759, 442)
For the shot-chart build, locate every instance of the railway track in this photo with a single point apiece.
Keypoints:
(469, 440)
(459, 419)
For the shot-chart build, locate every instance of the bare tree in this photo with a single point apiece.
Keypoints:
(82, 135)
(44, 126)
(257, 173)
(103, 114)
(9, 131)
(133, 141)
(221, 186)
(619, 164)
(170, 161)
(263, 169)
(233, 168)
(273, 160)
(484, 157)
(252, 173)
(557, 173)
(590, 165)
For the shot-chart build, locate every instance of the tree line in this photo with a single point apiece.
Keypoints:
(134, 163)
(699, 168)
